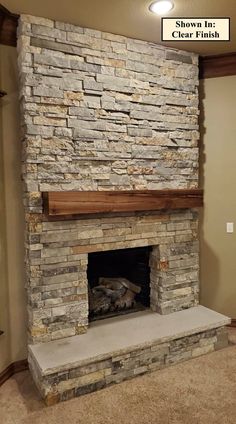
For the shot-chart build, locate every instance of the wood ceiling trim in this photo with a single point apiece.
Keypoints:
(8, 27)
(221, 65)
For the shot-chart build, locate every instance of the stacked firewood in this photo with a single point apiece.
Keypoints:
(112, 294)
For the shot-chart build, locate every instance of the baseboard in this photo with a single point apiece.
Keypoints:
(233, 323)
(13, 369)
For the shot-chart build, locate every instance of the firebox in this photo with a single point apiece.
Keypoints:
(118, 282)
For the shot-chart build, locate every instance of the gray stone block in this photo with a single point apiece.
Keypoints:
(152, 115)
(69, 27)
(98, 125)
(41, 30)
(79, 38)
(178, 57)
(87, 134)
(82, 112)
(142, 67)
(116, 81)
(53, 45)
(72, 84)
(92, 85)
(63, 132)
(47, 92)
(39, 130)
(56, 61)
(139, 132)
(36, 20)
(92, 101)
(140, 47)
(85, 67)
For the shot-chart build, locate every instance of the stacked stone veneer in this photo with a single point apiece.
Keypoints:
(104, 112)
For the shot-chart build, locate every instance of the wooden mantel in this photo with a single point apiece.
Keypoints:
(67, 203)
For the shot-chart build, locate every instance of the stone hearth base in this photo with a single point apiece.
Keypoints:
(120, 348)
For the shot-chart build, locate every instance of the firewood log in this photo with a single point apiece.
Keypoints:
(115, 283)
(126, 301)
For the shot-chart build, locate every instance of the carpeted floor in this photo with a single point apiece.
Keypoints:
(200, 391)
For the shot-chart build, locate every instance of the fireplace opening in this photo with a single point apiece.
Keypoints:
(119, 282)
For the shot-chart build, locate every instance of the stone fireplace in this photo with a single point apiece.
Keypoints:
(103, 112)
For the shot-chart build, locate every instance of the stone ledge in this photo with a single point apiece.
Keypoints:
(122, 335)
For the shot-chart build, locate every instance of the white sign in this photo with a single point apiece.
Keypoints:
(195, 29)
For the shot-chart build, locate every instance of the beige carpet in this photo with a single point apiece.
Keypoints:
(200, 391)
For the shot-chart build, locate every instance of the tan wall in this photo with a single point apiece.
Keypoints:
(218, 249)
(5, 348)
(12, 293)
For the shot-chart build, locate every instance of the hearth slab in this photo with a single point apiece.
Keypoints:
(120, 335)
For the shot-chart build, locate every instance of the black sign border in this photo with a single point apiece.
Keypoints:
(196, 41)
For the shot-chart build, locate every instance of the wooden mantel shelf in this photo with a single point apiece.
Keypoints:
(57, 203)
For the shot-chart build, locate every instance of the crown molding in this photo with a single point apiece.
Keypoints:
(8, 26)
(220, 65)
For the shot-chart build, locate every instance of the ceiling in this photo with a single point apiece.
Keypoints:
(132, 18)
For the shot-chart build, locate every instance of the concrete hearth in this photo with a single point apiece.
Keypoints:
(120, 348)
